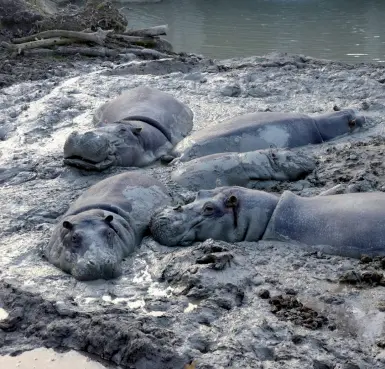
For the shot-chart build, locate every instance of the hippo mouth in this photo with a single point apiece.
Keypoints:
(83, 163)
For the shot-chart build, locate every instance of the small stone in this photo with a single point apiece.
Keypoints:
(381, 306)
(365, 105)
(231, 90)
(291, 291)
(318, 364)
(365, 259)
(350, 365)
(264, 294)
(257, 92)
(297, 339)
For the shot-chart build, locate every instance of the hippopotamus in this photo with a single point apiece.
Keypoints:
(346, 224)
(242, 169)
(133, 130)
(104, 225)
(257, 131)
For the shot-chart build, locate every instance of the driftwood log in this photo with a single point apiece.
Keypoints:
(98, 37)
(148, 32)
(142, 42)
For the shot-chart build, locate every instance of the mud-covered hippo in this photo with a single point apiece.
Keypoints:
(135, 129)
(257, 131)
(241, 169)
(347, 224)
(104, 225)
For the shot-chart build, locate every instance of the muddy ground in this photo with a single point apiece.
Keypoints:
(213, 305)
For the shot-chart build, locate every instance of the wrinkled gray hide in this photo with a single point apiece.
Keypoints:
(348, 224)
(104, 225)
(230, 214)
(134, 130)
(263, 130)
(241, 169)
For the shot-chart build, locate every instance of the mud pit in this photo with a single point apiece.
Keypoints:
(207, 304)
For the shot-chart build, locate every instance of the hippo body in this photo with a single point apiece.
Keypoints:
(104, 225)
(133, 130)
(242, 169)
(346, 224)
(263, 130)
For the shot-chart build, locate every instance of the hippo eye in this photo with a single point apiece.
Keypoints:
(75, 238)
(208, 209)
(352, 123)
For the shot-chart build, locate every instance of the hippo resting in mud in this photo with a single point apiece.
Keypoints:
(348, 224)
(257, 131)
(135, 129)
(241, 169)
(104, 225)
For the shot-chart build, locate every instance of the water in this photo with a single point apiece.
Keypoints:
(346, 30)
(48, 359)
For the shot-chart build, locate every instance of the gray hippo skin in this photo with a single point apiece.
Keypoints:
(257, 131)
(104, 225)
(349, 224)
(134, 130)
(241, 169)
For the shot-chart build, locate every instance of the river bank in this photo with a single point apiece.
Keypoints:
(168, 311)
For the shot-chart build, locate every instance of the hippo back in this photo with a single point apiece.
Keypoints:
(347, 224)
(249, 132)
(125, 194)
(174, 117)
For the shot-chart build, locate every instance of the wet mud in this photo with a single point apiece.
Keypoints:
(216, 305)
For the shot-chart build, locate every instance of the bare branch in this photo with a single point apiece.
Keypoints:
(152, 31)
(40, 43)
(98, 37)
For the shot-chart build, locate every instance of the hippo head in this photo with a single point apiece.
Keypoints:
(338, 123)
(230, 214)
(102, 148)
(88, 246)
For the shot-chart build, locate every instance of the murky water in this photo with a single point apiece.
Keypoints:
(48, 359)
(347, 30)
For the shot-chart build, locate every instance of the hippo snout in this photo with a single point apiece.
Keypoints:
(89, 146)
(86, 270)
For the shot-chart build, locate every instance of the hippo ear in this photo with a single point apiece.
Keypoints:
(136, 130)
(231, 202)
(109, 218)
(68, 225)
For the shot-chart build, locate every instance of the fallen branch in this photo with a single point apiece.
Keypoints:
(147, 52)
(143, 41)
(152, 31)
(84, 51)
(98, 37)
(36, 44)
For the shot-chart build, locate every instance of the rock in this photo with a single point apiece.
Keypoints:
(231, 90)
(318, 364)
(258, 92)
(291, 291)
(365, 259)
(289, 308)
(264, 294)
(365, 105)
